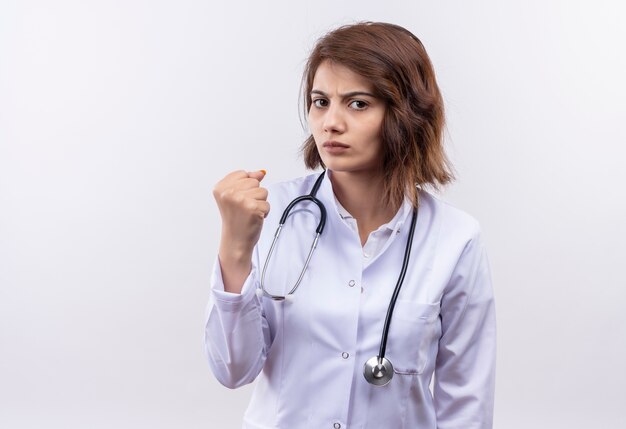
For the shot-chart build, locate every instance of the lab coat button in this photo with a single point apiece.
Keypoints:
(351, 283)
(337, 425)
(345, 355)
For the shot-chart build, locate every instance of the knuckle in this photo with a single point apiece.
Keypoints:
(251, 183)
(250, 205)
(227, 193)
(264, 207)
(238, 197)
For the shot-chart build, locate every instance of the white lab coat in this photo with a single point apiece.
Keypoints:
(310, 352)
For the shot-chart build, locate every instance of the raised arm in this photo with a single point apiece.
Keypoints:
(237, 334)
(243, 206)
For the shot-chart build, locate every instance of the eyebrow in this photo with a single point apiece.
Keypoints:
(346, 95)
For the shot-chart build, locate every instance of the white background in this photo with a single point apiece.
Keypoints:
(117, 117)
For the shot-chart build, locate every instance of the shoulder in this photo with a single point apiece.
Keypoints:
(456, 239)
(290, 189)
(452, 223)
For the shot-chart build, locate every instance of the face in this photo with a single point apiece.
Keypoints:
(346, 120)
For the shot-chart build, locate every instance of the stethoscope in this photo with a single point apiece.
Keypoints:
(378, 370)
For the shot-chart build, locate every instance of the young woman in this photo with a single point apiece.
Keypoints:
(391, 258)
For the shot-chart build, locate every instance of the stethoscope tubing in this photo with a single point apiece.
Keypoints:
(378, 370)
(318, 232)
(396, 290)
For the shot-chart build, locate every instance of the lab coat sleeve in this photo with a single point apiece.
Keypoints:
(236, 332)
(465, 368)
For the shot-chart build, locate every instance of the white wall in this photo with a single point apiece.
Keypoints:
(117, 117)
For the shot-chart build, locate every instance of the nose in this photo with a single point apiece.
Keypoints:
(334, 121)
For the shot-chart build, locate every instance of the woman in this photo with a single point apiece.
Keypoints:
(376, 119)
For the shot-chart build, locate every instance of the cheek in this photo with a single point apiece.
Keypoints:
(313, 123)
(374, 130)
(318, 137)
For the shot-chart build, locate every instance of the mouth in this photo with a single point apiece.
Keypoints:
(334, 144)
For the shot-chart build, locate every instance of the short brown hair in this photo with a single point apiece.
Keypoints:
(397, 65)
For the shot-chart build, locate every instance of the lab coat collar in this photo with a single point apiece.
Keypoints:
(327, 194)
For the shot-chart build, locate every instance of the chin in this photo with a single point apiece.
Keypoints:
(338, 166)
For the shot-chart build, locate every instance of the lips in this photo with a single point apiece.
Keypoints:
(334, 144)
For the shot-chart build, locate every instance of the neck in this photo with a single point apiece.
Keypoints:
(361, 195)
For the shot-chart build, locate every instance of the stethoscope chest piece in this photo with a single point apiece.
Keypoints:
(378, 371)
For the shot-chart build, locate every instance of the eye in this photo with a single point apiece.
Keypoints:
(320, 103)
(358, 105)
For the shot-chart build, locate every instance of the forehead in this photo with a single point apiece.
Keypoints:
(331, 76)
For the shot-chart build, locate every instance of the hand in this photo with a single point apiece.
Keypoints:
(243, 207)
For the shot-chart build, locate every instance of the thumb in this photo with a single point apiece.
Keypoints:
(258, 175)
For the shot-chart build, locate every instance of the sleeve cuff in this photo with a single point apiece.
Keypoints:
(228, 301)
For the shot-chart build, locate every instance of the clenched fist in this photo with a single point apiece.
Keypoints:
(243, 206)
